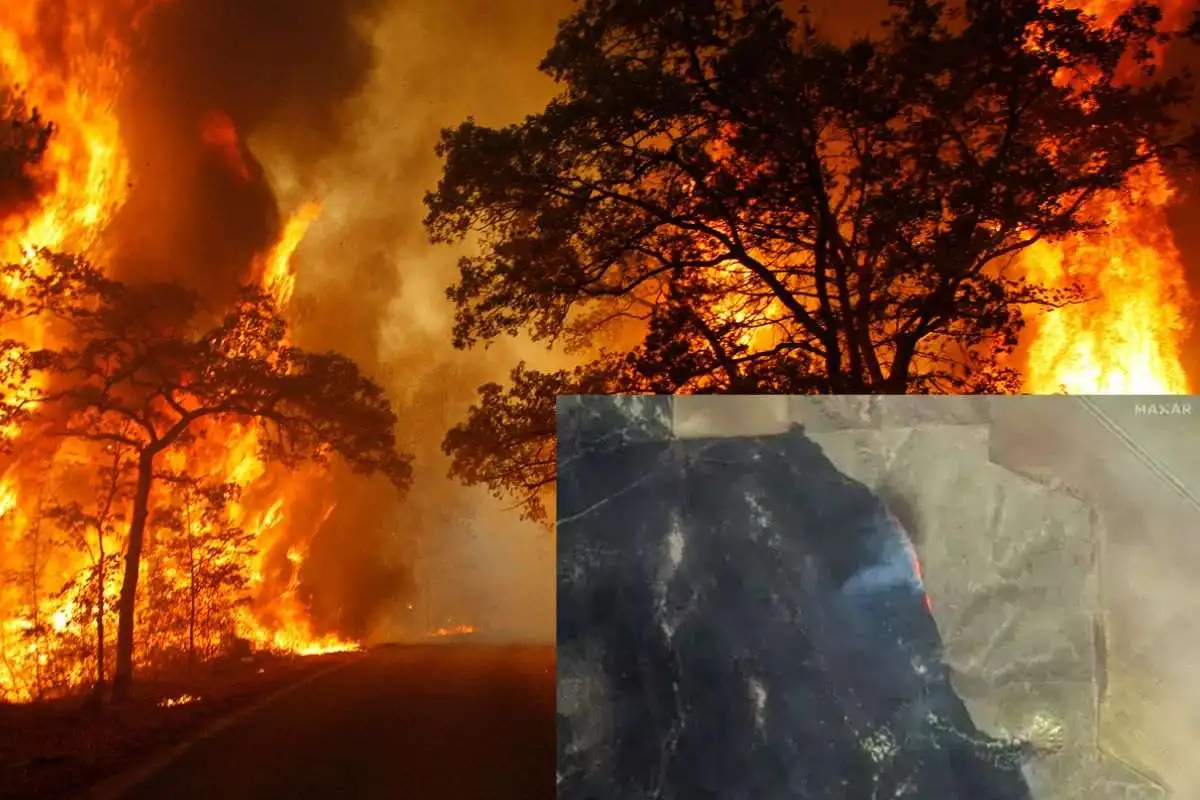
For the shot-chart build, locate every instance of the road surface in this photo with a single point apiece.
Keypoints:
(443, 722)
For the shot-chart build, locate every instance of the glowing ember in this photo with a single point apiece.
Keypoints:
(457, 630)
(181, 700)
(1127, 340)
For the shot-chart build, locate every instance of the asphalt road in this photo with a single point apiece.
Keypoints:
(439, 722)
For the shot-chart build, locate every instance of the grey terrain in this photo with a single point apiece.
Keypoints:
(1056, 537)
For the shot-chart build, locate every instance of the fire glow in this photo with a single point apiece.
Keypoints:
(1127, 339)
(45, 623)
(456, 630)
(181, 700)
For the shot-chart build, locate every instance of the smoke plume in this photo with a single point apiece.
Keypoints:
(239, 111)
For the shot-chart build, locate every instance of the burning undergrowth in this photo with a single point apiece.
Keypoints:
(148, 174)
(206, 143)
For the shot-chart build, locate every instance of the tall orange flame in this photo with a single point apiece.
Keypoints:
(1128, 339)
(278, 277)
(75, 85)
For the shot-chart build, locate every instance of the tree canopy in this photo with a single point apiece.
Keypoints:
(143, 368)
(139, 366)
(746, 205)
(24, 137)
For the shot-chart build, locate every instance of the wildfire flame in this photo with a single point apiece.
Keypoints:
(1127, 340)
(277, 275)
(181, 700)
(457, 630)
(73, 77)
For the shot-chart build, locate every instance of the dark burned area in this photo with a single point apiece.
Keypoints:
(60, 748)
(779, 573)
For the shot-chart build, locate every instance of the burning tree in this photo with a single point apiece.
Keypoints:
(88, 528)
(723, 200)
(24, 137)
(212, 576)
(146, 370)
(212, 557)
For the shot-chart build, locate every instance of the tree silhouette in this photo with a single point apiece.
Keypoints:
(747, 206)
(24, 137)
(213, 555)
(519, 423)
(85, 524)
(144, 368)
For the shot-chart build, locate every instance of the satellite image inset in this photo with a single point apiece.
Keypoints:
(870, 597)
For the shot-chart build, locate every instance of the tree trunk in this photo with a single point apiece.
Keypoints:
(191, 549)
(102, 572)
(123, 674)
(897, 381)
(100, 575)
(35, 569)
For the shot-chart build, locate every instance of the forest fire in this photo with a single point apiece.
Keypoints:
(175, 702)
(455, 630)
(1127, 340)
(218, 566)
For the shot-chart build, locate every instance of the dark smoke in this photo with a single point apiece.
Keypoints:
(289, 66)
(340, 102)
(371, 286)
